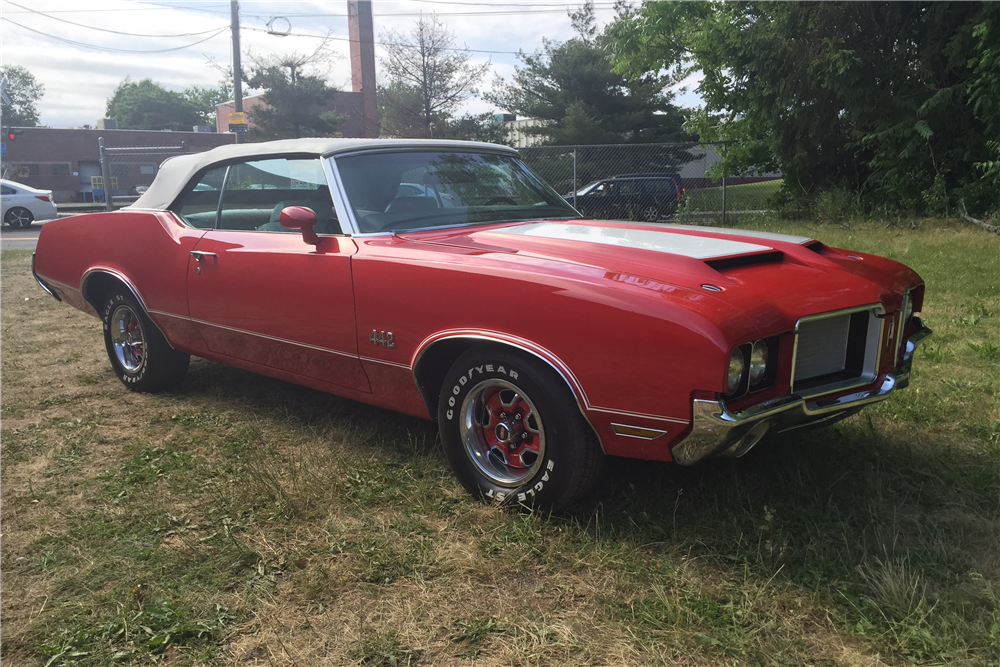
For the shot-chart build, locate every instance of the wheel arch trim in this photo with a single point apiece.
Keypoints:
(537, 351)
(129, 285)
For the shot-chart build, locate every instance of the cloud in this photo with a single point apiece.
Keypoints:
(78, 81)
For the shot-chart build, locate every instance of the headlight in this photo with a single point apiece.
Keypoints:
(758, 363)
(737, 366)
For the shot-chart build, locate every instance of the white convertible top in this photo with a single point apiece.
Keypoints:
(176, 172)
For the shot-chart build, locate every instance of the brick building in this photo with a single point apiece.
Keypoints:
(66, 160)
(344, 103)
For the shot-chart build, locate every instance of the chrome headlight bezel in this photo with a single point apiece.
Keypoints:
(737, 372)
(758, 363)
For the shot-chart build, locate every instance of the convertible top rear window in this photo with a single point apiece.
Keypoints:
(400, 191)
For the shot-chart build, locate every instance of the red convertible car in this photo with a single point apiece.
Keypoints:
(445, 280)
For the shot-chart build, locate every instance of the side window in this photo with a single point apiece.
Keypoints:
(257, 191)
(199, 205)
(6, 190)
(604, 189)
(630, 188)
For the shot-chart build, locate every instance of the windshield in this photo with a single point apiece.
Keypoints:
(585, 189)
(397, 191)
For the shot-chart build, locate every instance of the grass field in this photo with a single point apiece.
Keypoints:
(747, 197)
(244, 521)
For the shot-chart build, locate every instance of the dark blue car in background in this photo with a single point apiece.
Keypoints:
(648, 197)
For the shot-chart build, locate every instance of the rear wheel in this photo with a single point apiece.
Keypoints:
(19, 217)
(513, 432)
(650, 213)
(140, 355)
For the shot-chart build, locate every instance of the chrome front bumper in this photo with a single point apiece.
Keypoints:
(717, 432)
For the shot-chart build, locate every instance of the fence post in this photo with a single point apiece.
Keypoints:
(105, 175)
(575, 186)
(724, 144)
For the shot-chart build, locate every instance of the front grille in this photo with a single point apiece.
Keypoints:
(835, 351)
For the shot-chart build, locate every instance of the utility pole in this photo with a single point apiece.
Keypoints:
(234, 8)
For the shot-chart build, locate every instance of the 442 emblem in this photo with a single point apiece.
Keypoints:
(386, 339)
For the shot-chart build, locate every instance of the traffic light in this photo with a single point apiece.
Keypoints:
(10, 134)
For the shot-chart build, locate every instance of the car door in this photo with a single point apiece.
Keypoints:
(266, 296)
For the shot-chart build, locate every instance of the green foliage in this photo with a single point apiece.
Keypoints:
(292, 104)
(23, 91)
(204, 100)
(476, 127)
(146, 105)
(573, 88)
(427, 79)
(892, 101)
(383, 649)
(136, 629)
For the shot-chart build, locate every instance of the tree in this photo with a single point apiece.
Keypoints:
(146, 105)
(893, 102)
(205, 100)
(290, 106)
(23, 92)
(573, 87)
(295, 94)
(426, 79)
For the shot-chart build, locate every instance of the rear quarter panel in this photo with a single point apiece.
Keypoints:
(149, 249)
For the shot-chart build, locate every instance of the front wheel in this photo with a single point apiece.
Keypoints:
(140, 355)
(19, 217)
(513, 432)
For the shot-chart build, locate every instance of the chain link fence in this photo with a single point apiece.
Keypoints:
(127, 171)
(677, 182)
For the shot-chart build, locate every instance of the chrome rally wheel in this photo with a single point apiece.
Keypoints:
(128, 339)
(502, 432)
(513, 431)
(140, 355)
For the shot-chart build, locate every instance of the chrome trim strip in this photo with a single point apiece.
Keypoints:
(117, 274)
(339, 197)
(642, 415)
(257, 335)
(715, 430)
(39, 280)
(561, 369)
(646, 433)
(387, 363)
(275, 338)
(900, 324)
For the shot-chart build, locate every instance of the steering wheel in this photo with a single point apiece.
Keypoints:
(500, 200)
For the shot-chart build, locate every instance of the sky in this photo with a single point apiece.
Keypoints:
(81, 54)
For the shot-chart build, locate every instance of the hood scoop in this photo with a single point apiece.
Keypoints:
(726, 263)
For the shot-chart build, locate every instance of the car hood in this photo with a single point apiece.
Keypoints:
(770, 277)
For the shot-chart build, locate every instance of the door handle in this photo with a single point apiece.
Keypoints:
(198, 255)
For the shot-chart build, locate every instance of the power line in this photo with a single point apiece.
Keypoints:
(114, 32)
(567, 5)
(348, 39)
(110, 49)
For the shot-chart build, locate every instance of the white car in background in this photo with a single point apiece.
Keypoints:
(22, 205)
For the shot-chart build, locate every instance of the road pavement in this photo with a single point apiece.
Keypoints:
(20, 239)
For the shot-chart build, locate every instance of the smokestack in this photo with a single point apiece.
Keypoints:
(359, 19)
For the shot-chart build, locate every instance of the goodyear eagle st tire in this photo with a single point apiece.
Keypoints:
(513, 432)
(140, 355)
